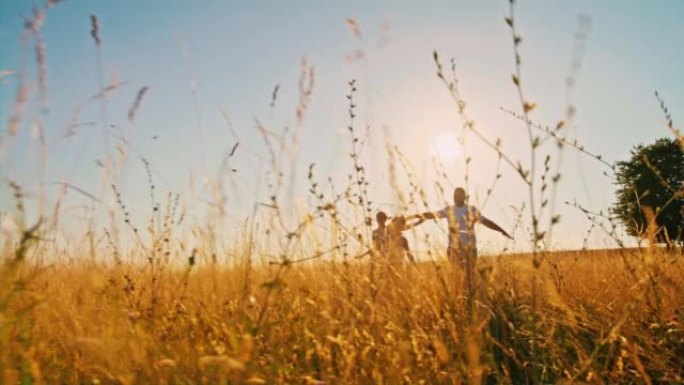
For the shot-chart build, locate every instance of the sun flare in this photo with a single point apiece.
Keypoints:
(446, 147)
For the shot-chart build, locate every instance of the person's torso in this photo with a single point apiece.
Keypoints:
(380, 240)
(395, 246)
(389, 245)
(462, 226)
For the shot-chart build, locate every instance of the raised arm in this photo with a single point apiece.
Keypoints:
(491, 225)
(414, 224)
(424, 216)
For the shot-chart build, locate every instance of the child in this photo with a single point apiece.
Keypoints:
(397, 245)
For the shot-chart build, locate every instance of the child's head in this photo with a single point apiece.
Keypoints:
(381, 218)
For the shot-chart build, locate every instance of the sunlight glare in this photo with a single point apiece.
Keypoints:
(446, 147)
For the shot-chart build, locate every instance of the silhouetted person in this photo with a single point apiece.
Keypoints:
(388, 241)
(461, 218)
(380, 234)
(398, 246)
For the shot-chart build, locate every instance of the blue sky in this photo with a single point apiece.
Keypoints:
(238, 52)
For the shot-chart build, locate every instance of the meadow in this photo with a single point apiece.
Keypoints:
(293, 295)
(325, 323)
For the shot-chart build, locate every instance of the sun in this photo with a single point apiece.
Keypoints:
(446, 147)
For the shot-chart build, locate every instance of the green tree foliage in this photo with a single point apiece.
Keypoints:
(653, 178)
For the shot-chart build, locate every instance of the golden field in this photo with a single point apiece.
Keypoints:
(610, 316)
(93, 294)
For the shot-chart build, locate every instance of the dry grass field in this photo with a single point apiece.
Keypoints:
(100, 288)
(601, 317)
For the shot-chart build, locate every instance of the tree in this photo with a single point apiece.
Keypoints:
(651, 187)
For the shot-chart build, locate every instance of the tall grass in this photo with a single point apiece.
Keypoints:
(84, 322)
(303, 299)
